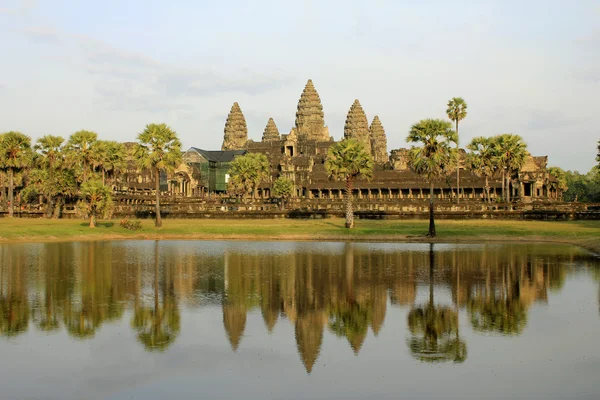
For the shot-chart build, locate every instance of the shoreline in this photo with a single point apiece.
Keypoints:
(582, 234)
(593, 246)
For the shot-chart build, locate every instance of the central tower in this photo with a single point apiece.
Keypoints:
(310, 123)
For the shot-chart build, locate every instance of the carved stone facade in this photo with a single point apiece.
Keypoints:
(378, 141)
(236, 131)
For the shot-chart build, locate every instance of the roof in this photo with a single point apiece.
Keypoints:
(218, 155)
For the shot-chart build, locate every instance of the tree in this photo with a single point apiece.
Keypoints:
(598, 156)
(282, 188)
(583, 187)
(247, 172)
(81, 148)
(434, 157)
(347, 161)
(15, 155)
(51, 157)
(457, 111)
(483, 160)
(96, 200)
(158, 149)
(560, 180)
(512, 151)
(109, 157)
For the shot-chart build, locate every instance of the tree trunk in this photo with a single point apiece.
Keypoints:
(58, 207)
(349, 212)
(85, 171)
(103, 176)
(92, 220)
(503, 194)
(431, 232)
(49, 206)
(11, 195)
(507, 187)
(158, 221)
(487, 189)
(457, 167)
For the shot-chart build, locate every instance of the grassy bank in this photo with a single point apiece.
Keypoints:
(583, 233)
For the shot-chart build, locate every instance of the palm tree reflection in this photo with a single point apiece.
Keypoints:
(434, 330)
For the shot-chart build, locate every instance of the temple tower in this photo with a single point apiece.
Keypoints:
(271, 132)
(378, 141)
(357, 126)
(310, 123)
(236, 131)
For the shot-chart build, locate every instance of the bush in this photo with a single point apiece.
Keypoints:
(131, 225)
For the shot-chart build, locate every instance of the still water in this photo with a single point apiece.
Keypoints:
(258, 320)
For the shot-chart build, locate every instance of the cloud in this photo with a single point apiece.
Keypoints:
(132, 81)
(20, 7)
(42, 34)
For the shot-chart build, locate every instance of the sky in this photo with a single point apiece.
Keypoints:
(525, 67)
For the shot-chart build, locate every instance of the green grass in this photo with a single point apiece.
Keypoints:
(43, 229)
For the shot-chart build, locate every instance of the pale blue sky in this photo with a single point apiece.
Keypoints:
(527, 67)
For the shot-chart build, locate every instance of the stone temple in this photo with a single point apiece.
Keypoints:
(300, 156)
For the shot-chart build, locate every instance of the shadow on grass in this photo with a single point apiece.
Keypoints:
(99, 224)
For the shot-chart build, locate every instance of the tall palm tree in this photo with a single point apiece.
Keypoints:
(346, 161)
(50, 150)
(433, 158)
(457, 111)
(483, 160)
(15, 155)
(158, 149)
(511, 150)
(81, 148)
(109, 157)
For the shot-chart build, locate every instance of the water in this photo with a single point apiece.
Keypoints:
(285, 320)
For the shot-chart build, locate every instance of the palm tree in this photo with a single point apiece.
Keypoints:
(97, 200)
(158, 149)
(433, 158)
(347, 161)
(457, 111)
(81, 148)
(15, 155)
(50, 149)
(109, 157)
(559, 184)
(483, 160)
(247, 172)
(511, 152)
(283, 188)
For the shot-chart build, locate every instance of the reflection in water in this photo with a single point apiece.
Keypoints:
(340, 288)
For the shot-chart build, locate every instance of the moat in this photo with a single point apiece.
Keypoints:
(298, 320)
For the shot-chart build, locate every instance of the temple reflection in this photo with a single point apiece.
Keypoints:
(344, 289)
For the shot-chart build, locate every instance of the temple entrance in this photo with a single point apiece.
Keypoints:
(527, 189)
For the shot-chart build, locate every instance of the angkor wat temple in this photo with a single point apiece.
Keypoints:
(300, 156)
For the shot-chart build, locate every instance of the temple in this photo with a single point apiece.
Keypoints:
(300, 156)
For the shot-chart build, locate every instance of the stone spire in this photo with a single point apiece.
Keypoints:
(378, 141)
(236, 131)
(310, 123)
(271, 132)
(357, 126)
